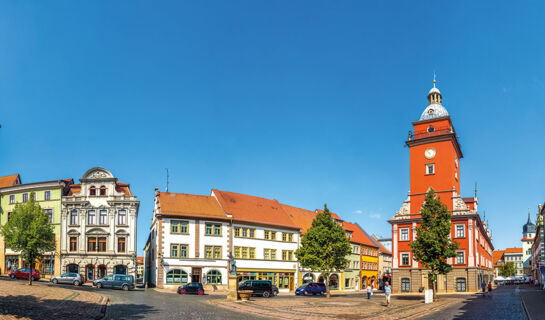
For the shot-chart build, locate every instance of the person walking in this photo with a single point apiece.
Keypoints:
(387, 293)
(369, 291)
(490, 288)
(483, 286)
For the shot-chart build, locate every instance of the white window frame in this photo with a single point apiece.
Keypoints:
(456, 231)
(428, 166)
(408, 254)
(401, 238)
(463, 257)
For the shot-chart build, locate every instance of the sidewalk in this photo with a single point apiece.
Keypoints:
(532, 301)
(18, 300)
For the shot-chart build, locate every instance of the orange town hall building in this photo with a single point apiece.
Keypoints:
(435, 155)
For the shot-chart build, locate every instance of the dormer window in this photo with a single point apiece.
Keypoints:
(431, 129)
(103, 190)
(92, 191)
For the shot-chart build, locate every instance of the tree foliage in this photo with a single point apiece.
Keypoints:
(433, 246)
(508, 270)
(324, 247)
(28, 231)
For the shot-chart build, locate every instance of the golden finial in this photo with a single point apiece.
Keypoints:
(434, 79)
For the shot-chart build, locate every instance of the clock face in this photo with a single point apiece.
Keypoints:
(430, 153)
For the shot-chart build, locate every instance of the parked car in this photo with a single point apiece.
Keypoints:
(275, 290)
(192, 287)
(311, 288)
(71, 278)
(23, 274)
(115, 281)
(259, 287)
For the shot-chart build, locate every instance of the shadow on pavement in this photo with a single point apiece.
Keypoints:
(28, 306)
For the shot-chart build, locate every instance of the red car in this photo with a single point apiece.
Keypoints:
(23, 274)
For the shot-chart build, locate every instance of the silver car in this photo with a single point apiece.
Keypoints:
(71, 278)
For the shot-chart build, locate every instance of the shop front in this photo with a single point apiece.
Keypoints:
(284, 280)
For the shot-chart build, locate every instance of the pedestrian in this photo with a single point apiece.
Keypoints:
(483, 286)
(490, 288)
(387, 293)
(369, 291)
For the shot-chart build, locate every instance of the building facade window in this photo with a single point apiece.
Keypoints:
(178, 227)
(73, 217)
(404, 234)
(92, 244)
(461, 284)
(122, 217)
(91, 217)
(47, 195)
(405, 285)
(121, 244)
(405, 259)
(244, 252)
(11, 198)
(269, 254)
(103, 217)
(269, 235)
(103, 190)
(49, 214)
(92, 191)
(460, 257)
(430, 168)
(25, 197)
(73, 244)
(212, 252)
(178, 250)
(177, 276)
(287, 255)
(212, 229)
(244, 232)
(213, 277)
(102, 244)
(460, 231)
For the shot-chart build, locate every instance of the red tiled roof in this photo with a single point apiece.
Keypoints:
(254, 209)
(191, 205)
(468, 200)
(139, 260)
(513, 250)
(11, 180)
(527, 239)
(74, 189)
(358, 234)
(301, 217)
(333, 215)
(381, 247)
(496, 256)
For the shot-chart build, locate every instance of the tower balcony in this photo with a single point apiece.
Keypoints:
(430, 133)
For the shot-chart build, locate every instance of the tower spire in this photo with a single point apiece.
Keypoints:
(529, 221)
(434, 78)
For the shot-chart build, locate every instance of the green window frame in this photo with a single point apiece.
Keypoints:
(177, 276)
(213, 277)
(179, 227)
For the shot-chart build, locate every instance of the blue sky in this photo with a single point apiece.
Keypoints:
(306, 102)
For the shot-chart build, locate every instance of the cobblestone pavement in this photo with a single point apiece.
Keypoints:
(532, 300)
(134, 304)
(351, 306)
(503, 303)
(18, 300)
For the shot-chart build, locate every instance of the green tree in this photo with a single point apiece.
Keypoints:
(508, 270)
(28, 231)
(433, 246)
(324, 247)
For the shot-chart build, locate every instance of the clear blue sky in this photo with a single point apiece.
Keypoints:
(303, 101)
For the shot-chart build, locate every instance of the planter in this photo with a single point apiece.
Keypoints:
(245, 294)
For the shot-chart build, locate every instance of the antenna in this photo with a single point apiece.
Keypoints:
(167, 180)
(475, 189)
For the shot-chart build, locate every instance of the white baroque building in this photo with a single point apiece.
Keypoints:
(98, 224)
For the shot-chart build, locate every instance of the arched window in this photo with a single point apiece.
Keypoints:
(405, 285)
(321, 279)
(461, 284)
(92, 191)
(72, 268)
(334, 282)
(103, 190)
(176, 276)
(308, 278)
(120, 269)
(213, 277)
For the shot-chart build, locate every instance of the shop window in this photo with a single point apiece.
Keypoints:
(334, 282)
(405, 285)
(72, 268)
(12, 263)
(177, 276)
(213, 277)
(308, 278)
(120, 269)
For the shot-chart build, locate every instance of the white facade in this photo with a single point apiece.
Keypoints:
(99, 227)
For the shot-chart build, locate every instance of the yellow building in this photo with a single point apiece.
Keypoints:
(369, 261)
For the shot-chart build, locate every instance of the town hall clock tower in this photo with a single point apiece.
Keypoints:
(434, 159)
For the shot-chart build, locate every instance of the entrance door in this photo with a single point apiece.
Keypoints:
(90, 272)
(196, 274)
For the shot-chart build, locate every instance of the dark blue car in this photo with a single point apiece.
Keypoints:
(311, 288)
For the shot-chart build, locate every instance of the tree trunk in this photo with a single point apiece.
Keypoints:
(327, 292)
(30, 276)
(435, 289)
